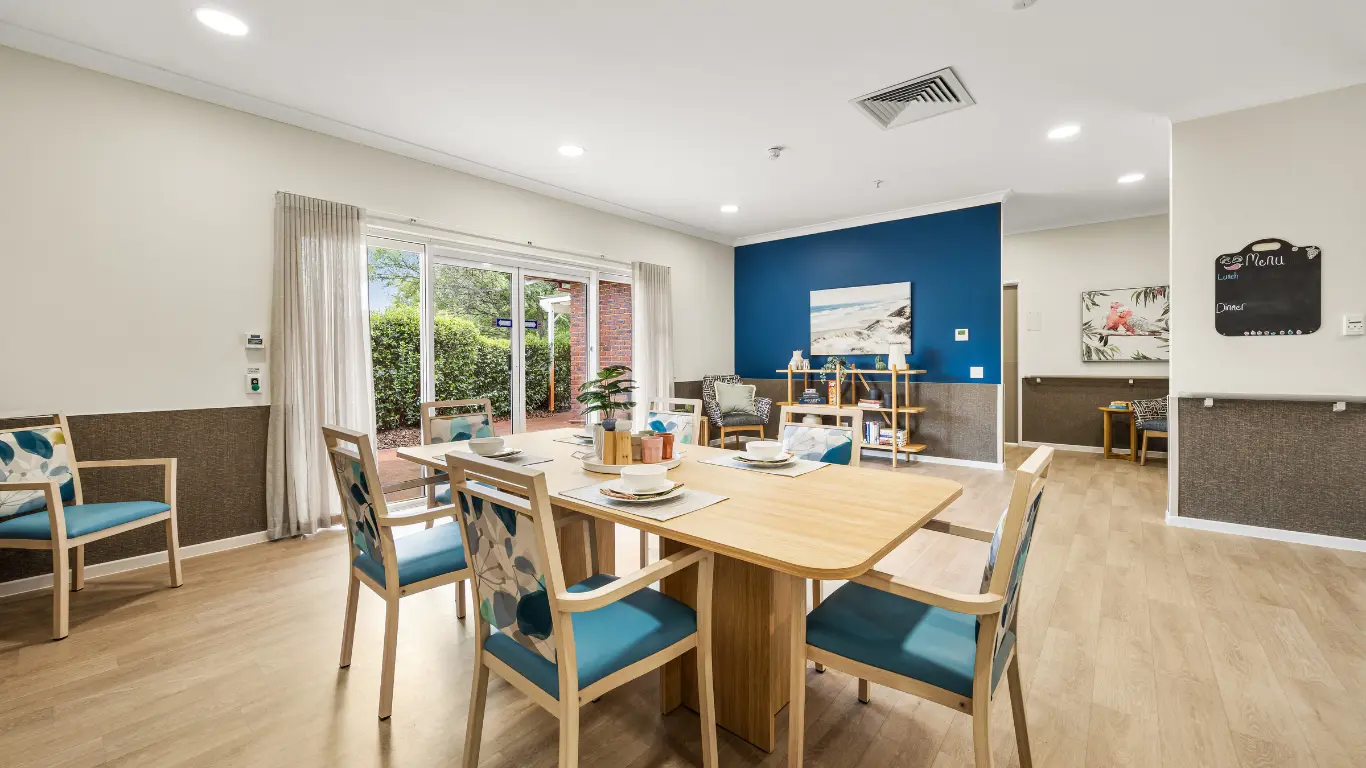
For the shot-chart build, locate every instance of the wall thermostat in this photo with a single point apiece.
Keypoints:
(255, 341)
(1353, 325)
(960, 334)
(256, 381)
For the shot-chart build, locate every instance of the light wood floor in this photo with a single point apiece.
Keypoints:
(1141, 645)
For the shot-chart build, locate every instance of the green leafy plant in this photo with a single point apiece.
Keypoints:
(599, 394)
(834, 364)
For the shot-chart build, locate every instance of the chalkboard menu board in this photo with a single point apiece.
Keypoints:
(1270, 288)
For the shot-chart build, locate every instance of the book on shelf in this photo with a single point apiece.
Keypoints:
(863, 401)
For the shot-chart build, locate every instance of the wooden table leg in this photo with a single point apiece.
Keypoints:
(1109, 437)
(750, 649)
(574, 550)
(1133, 437)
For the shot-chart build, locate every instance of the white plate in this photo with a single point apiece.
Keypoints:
(620, 487)
(663, 497)
(785, 457)
(502, 454)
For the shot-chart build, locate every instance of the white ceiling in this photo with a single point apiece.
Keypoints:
(677, 103)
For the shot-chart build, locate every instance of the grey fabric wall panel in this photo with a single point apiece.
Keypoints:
(1062, 410)
(1274, 464)
(221, 477)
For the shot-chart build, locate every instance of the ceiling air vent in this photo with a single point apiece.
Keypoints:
(915, 100)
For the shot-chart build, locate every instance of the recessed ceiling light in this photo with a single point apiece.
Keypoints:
(1067, 131)
(1131, 178)
(730, 209)
(219, 21)
(569, 150)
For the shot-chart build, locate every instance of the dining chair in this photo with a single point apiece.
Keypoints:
(731, 423)
(829, 443)
(1152, 420)
(453, 427)
(564, 646)
(40, 477)
(392, 567)
(668, 415)
(950, 648)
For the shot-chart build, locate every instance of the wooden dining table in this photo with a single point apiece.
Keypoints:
(771, 534)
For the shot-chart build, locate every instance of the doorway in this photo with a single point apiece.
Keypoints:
(1010, 363)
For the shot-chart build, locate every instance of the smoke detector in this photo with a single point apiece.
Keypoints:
(775, 152)
(914, 100)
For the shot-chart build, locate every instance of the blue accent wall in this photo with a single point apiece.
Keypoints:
(952, 259)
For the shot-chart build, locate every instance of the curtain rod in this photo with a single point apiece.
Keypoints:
(400, 219)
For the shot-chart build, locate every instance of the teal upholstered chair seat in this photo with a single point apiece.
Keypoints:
(922, 642)
(606, 640)
(81, 519)
(430, 553)
(442, 493)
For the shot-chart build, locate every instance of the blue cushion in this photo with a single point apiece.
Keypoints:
(443, 493)
(1157, 425)
(911, 639)
(421, 556)
(81, 519)
(606, 640)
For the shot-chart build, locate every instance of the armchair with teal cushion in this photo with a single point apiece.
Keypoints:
(563, 645)
(39, 481)
(947, 647)
(392, 567)
(451, 421)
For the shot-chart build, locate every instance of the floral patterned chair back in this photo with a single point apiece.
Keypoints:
(38, 454)
(511, 545)
(357, 477)
(830, 443)
(667, 416)
(1014, 533)
(453, 427)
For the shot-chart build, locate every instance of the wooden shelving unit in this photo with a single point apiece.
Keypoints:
(900, 382)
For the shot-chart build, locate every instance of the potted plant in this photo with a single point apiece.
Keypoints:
(600, 394)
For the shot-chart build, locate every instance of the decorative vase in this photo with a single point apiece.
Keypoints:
(874, 393)
(811, 418)
(795, 363)
(880, 364)
(896, 358)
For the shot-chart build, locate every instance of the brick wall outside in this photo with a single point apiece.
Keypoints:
(614, 329)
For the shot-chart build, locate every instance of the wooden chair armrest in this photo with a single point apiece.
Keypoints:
(571, 518)
(959, 602)
(435, 513)
(35, 486)
(416, 482)
(169, 465)
(577, 602)
(963, 531)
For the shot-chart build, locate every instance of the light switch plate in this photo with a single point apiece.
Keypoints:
(1353, 325)
(976, 372)
(961, 334)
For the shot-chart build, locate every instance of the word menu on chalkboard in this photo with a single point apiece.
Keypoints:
(1270, 288)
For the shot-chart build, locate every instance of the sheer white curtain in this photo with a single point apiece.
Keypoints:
(652, 335)
(319, 356)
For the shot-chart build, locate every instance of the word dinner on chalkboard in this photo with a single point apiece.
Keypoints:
(1270, 288)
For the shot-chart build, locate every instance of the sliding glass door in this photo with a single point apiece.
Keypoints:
(454, 323)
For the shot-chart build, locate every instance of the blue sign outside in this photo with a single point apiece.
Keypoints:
(502, 322)
(532, 325)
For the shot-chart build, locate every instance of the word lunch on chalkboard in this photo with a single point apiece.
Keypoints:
(1270, 288)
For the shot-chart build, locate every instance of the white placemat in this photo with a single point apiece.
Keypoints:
(688, 501)
(797, 468)
(520, 459)
(572, 441)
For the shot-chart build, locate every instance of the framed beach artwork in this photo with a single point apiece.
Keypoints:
(1126, 325)
(865, 320)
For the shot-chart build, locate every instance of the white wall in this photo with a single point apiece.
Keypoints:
(137, 239)
(1294, 170)
(1053, 267)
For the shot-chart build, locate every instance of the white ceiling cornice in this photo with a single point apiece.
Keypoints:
(877, 218)
(48, 46)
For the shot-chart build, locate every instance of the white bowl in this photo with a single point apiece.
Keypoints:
(643, 478)
(487, 446)
(763, 449)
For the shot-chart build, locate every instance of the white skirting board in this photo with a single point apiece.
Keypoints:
(1274, 534)
(96, 570)
(917, 457)
(1088, 449)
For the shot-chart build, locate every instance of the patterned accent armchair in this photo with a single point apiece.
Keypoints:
(40, 478)
(1151, 416)
(732, 423)
(391, 568)
(566, 645)
(950, 648)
